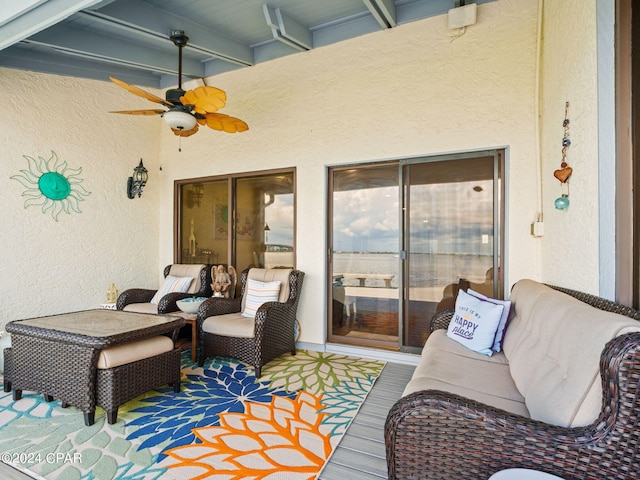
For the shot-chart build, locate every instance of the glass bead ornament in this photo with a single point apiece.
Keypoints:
(562, 202)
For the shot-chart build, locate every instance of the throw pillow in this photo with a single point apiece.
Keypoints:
(259, 293)
(474, 323)
(172, 284)
(504, 319)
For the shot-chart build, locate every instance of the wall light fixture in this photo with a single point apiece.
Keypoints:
(137, 181)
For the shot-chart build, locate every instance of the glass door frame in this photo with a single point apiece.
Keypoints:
(499, 237)
(330, 337)
(499, 204)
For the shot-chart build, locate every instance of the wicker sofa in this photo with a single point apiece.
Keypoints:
(562, 397)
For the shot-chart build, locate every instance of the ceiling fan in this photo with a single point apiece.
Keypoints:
(187, 109)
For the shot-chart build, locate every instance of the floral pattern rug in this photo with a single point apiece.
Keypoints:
(222, 425)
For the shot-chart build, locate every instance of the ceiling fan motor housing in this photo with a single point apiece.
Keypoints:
(173, 95)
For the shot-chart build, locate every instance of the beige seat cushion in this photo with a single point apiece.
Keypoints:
(553, 344)
(134, 351)
(142, 308)
(230, 325)
(234, 324)
(193, 271)
(451, 367)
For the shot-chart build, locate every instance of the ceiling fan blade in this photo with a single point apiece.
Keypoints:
(223, 123)
(141, 112)
(185, 133)
(140, 93)
(205, 99)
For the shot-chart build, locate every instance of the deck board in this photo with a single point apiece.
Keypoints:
(361, 452)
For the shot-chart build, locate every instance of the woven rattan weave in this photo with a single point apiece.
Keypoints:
(437, 435)
(275, 325)
(57, 356)
(167, 304)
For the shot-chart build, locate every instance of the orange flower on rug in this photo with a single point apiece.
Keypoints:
(285, 437)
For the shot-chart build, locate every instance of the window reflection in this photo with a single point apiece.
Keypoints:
(203, 227)
(264, 221)
(245, 221)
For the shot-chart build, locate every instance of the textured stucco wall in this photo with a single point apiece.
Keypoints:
(569, 73)
(408, 91)
(50, 267)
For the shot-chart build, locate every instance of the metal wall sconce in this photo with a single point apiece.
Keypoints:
(136, 182)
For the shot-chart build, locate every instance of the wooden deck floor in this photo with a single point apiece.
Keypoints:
(361, 454)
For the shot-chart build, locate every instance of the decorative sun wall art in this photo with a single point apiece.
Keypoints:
(52, 185)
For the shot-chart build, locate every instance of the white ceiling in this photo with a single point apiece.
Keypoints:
(129, 39)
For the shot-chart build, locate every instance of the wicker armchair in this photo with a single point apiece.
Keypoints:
(223, 331)
(139, 299)
(437, 435)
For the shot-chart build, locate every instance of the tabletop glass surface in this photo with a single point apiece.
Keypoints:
(98, 323)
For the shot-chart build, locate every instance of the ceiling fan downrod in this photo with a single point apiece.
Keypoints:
(180, 40)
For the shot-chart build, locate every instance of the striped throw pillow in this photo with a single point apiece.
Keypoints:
(259, 293)
(172, 284)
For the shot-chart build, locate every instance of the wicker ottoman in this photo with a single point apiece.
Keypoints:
(128, 370)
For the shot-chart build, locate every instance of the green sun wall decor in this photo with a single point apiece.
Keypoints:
(52, 185)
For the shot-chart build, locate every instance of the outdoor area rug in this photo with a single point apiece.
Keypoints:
(222, 425)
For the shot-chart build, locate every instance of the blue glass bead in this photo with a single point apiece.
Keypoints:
(562, 203)
(566, 122)
(566, 142)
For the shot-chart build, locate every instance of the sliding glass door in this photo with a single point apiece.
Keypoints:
(363, 261)
(450, 220)
(404, 237)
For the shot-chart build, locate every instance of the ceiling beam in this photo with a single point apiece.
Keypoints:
(287, 30)
(97, 47)
(12, 10)
(384, 11)
(140, 18)
(19, 20)
(23, 58)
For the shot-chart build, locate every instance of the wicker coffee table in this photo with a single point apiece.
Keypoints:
(57, 355)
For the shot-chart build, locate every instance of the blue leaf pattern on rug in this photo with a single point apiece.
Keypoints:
(199, 403)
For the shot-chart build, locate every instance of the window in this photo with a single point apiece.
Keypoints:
(244, 220)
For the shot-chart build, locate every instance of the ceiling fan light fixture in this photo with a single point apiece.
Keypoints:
(179, 120)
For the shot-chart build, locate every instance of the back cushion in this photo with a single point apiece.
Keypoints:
(553, 344)
(193, 271)
(271, 275)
